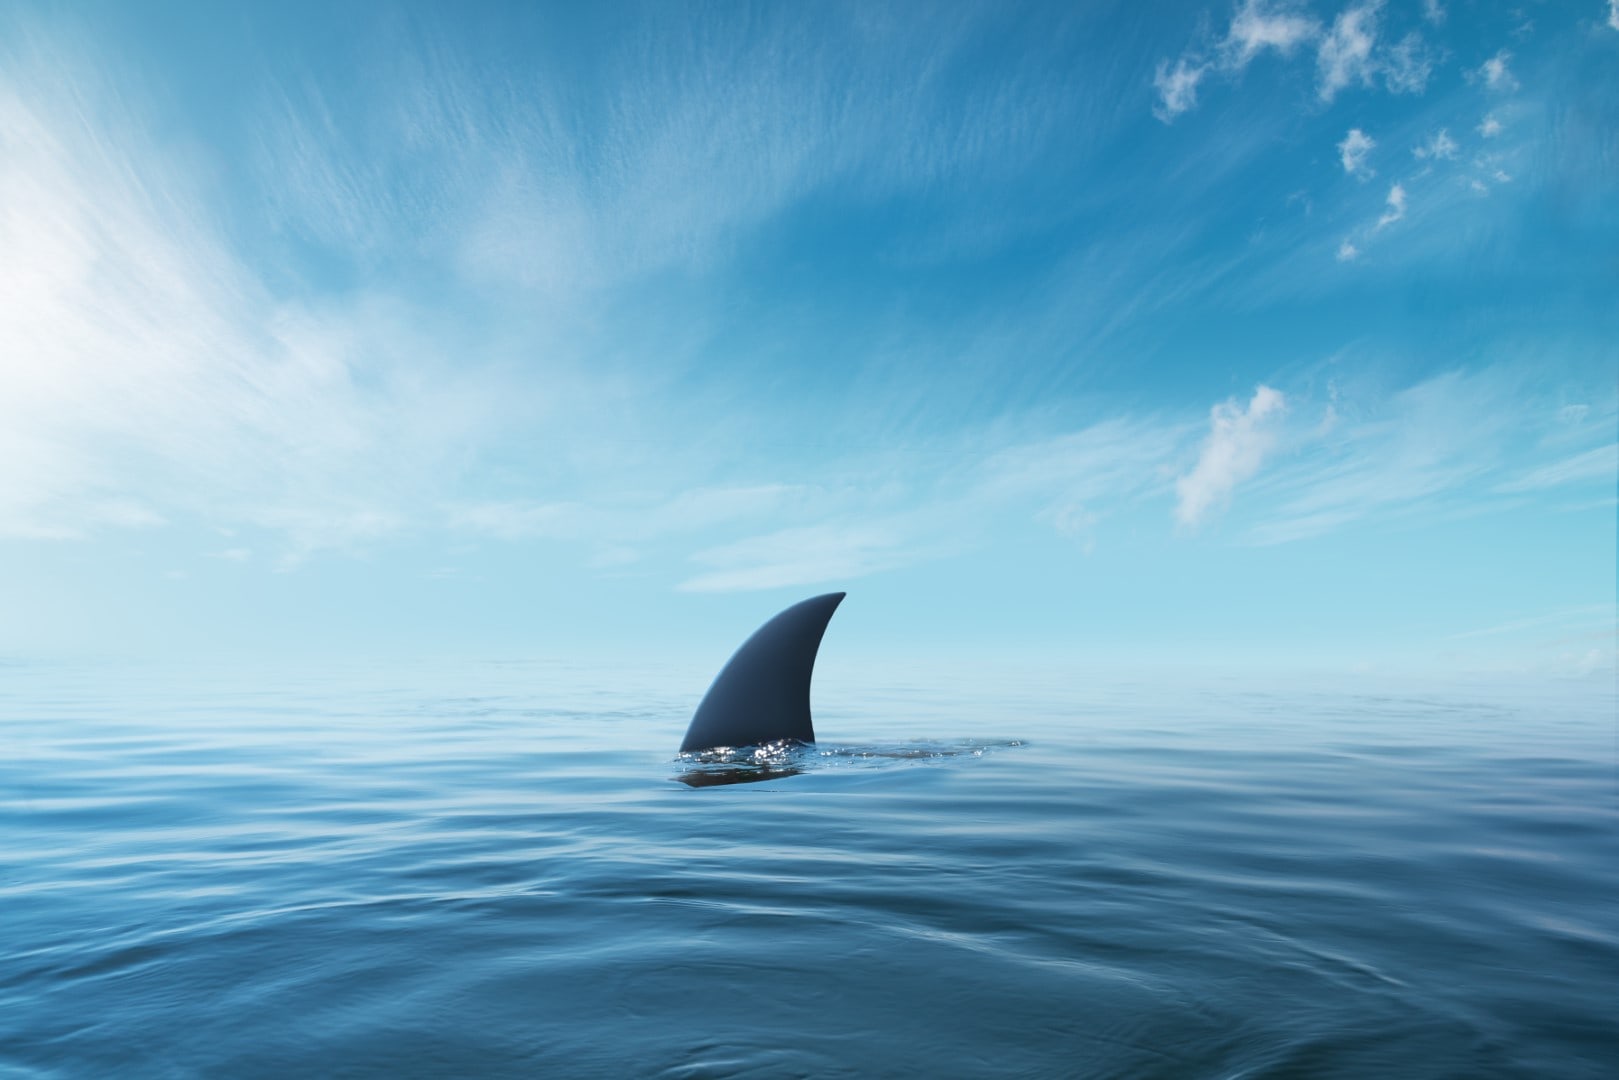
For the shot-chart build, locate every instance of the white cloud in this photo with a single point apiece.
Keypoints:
(1348, 53)
(1352, 153)
(1259, 25)
(1348, 252)
(1407, 66)
(1613, 14)
(1496, 74)
(1256, 26)
(1434, 11)
(1237, 444)
(1489, 127)
(1394, 208)
(1439, 147)
(1177, 87)
(1345, 54)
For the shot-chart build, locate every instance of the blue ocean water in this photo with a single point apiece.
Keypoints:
(504, 870)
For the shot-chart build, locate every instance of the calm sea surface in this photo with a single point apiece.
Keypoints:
(504, 870)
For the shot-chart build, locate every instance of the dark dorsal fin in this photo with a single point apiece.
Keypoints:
(762, 693)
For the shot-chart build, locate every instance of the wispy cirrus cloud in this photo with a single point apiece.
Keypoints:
(1574, 640)
(148, 371)
(1440, 446)
(617, 526)
(1599, 464)
(1069, 481)
(1584, 614)
(1074, 479)
(535, 183)
(808, 555)
(151, 370)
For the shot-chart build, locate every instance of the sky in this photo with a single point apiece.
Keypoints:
(1268, 334)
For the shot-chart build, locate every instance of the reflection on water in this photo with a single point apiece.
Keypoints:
(486, 871)
(719, 775)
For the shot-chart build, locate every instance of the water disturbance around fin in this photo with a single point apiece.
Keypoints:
(761, 695)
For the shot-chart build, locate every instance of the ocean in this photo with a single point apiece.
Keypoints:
(504, 869)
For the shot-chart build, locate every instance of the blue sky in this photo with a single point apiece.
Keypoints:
(1275, 334)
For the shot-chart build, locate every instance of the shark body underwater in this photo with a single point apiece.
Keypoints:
(761, 695)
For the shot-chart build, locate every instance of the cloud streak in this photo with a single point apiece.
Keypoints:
(1434, 448)
(1597, 465)
(841, 551)
(148, 372)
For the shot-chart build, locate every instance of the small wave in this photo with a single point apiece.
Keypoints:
(772, 761)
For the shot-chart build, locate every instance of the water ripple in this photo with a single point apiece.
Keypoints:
(489, 872)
